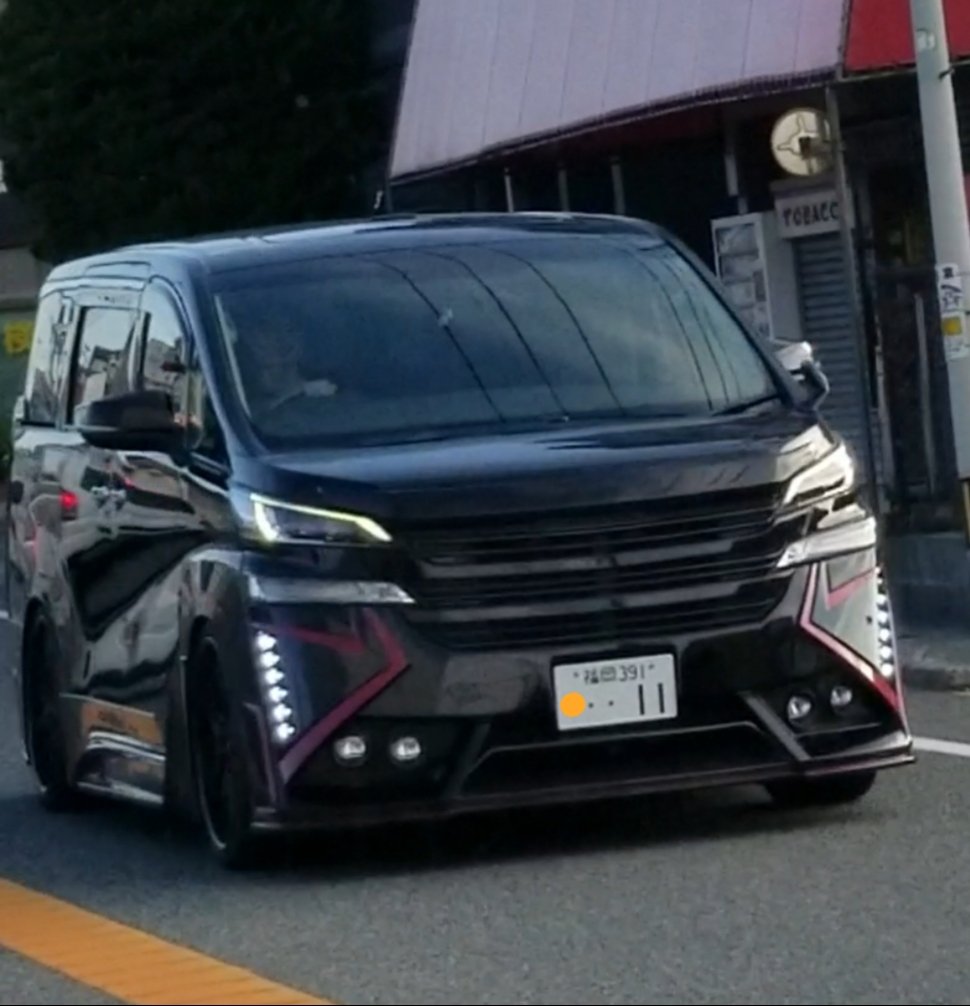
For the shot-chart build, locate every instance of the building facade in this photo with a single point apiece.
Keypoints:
(390, 25)
(691, 114)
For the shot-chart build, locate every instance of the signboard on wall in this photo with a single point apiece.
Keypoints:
(953, 311)
(806, 214)
(17, 337)
(756, 269)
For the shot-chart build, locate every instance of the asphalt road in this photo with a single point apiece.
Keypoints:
(709, 900)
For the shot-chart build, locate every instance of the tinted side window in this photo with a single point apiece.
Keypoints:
(170, 364)
(205, 433)
(106, 358)
(48, 363)
(163, 367)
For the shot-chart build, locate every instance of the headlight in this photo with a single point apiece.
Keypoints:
(855, 536)
(277, 522)
(834, 473)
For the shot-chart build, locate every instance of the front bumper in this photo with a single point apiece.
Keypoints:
(487, 722)
(610, 778)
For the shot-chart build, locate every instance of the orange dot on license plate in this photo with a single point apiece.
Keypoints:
(573, 705)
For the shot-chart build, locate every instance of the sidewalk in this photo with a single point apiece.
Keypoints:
(929, 576)
(935, 659)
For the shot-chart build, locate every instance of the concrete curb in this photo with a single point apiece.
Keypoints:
(928, 678)
(936, 663)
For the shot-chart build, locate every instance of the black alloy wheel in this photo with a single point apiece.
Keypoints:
(222, 785)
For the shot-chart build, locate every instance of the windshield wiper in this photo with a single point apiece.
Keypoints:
(751, 403)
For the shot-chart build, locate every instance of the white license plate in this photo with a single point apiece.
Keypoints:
(607, 693)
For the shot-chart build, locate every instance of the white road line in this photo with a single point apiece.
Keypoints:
(931, 746)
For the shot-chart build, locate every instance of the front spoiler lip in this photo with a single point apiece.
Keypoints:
(313, 817)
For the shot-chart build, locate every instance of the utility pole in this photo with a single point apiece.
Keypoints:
(951, 224)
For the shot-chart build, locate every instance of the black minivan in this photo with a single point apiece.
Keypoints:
(341, 525)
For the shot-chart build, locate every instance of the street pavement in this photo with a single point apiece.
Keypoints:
(24, 983)
(713, 899)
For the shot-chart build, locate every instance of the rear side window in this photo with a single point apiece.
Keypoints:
(48, 363)
(107, 354)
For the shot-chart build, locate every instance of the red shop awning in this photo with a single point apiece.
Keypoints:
(881, 34)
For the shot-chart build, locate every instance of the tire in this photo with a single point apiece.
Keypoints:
(46, 745)
(219, 765)
(831, 792)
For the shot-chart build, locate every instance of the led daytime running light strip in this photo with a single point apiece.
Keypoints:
(887, 636)
(275, 693)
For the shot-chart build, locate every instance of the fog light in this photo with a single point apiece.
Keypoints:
(273, 677)
(842, 697)
(350, 750)
(800, 707)
(278, 694)
(406, 750)
(888, 670)
(269, 659)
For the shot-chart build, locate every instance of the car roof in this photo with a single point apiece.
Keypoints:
(242, 249)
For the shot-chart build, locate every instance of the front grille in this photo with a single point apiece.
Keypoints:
(624, 572)
(607, 578)
(648, 622)
(613, 530)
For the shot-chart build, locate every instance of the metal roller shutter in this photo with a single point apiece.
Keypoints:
(963, 115)
(826, 306)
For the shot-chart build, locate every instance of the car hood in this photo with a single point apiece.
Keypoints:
(569, 466)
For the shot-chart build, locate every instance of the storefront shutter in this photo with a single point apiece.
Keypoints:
(826, 306)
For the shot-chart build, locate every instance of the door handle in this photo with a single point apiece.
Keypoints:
(100, 493)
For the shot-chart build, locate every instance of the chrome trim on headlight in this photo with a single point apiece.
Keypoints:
(852, 537)
(300, 590)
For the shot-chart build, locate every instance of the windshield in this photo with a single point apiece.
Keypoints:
(380, 347)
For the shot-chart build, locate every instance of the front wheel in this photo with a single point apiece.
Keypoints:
(822, 792)
(46, 745)
(222, 783)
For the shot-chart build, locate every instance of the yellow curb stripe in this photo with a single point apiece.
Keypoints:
(125, 963)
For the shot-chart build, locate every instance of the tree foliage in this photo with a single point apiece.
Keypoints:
(142, 119)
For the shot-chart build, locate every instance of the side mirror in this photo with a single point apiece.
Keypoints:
(798, 358)
(135, 421)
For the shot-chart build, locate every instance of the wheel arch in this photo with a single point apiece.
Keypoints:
(180, 773)
(216, 607)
